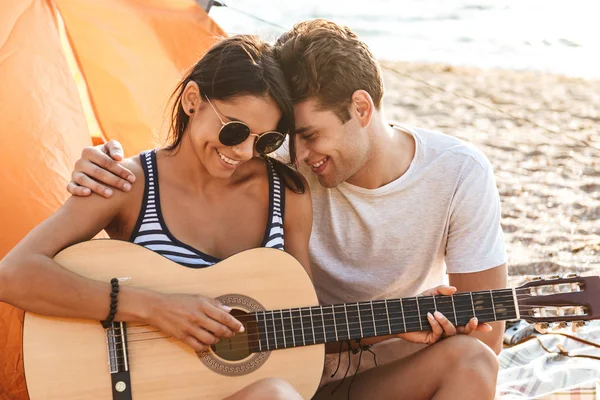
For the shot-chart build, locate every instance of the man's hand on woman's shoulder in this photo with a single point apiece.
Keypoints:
(98, 170)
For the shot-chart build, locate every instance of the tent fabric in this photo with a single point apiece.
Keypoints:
(130, 55)
(43, 132)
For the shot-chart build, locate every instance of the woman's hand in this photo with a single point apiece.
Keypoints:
(196, 320)
(98, 171)
(441, 327)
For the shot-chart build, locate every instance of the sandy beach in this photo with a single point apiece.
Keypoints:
(540, 132)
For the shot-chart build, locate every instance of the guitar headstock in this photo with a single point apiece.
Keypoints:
(560, 299)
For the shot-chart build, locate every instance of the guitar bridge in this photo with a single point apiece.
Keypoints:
(118, 362)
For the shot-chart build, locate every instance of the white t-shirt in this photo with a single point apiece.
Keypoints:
(442, 215)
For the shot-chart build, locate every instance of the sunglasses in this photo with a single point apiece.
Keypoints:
(235, 132)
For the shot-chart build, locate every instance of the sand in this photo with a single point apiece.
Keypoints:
(541, 134)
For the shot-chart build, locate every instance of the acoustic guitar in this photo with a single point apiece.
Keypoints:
(273, 297)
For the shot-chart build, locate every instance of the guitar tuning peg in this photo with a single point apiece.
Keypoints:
(542, 327)
(571, 275)
(536, 278)
(554, 277)
(578, 324)
(560, 325)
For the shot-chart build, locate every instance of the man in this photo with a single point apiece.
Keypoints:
(396, 208)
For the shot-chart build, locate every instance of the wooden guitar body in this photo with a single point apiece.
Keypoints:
(68, 359)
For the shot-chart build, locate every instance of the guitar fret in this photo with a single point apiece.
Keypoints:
(493, 306)
(434, 304)
(298, 328)
(387, 314)
(454, 309)
(340, 328)
(359, 319)
(266, 330)
(381, 318)
(516, 305)
(288, 327)
(444, 305)
(419, 311)
(274, 329)
(483, 305)
(472, 304)
(328, 321)
(334, 323)
(464, 304)
(259, 333)
(319, 327)
(323, 321)
(283, 328)
(403, 319)
(347, 323)
(426, 306)
(302, 327)
(292, 324)
(394, 309)
(365, 311)
(312, 325)
(373, 316)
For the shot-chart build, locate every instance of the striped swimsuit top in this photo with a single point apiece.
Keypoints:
(151, 231)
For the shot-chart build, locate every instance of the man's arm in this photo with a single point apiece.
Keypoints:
(475, 250)
(494, 278)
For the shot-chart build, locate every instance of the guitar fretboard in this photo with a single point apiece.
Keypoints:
(280, 329)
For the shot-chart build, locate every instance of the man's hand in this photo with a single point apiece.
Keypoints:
(441, 327)
(98, 171)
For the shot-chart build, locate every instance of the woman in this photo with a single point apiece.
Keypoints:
(206, 197)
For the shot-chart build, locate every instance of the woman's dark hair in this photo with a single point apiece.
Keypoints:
(236, 66)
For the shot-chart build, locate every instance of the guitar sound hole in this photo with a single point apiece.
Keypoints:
(241, 345)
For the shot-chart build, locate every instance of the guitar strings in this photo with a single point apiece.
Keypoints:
(376, 316)
(278, 317)
(440, 300)
(271, 338)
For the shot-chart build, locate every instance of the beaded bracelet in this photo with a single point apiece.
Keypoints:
(113, 304)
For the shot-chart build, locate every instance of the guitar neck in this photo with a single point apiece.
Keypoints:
(304, 326)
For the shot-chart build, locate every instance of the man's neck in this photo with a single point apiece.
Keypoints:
(392, 151)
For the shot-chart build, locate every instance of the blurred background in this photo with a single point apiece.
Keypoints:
(519, 78)
(550, 36)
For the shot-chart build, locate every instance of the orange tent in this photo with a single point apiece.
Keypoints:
(73, 72)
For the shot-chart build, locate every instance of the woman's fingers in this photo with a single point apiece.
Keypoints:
(113, 149)
(220, 313)
(436, 329)
(202, 335)
(82, 180)
(195, 344)
(217, 328)
(447, 326)
(77, 190)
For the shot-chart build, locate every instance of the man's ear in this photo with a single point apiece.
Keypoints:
(362, 107)
(191, 98)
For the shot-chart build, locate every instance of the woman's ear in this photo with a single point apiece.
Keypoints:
(190, 100)
(362, 107)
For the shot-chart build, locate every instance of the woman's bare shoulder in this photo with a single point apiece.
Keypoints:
(134, 164)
